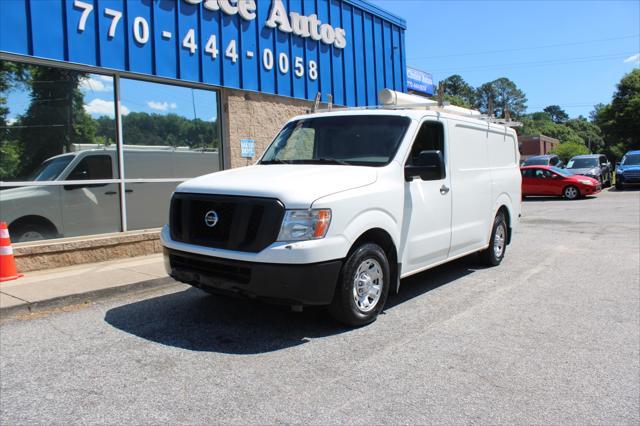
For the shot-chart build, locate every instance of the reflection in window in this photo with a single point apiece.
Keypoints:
(57, 125)
(48, 111)
(168, 131)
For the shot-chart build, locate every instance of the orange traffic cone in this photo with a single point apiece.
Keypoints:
(8, 270)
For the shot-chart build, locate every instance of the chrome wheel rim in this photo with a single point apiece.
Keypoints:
(31, 236)
(499, 241)
(571, 192)
(367, 285)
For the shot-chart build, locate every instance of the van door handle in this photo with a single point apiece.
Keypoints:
(128, 191)
(444, 189)
(110, 193)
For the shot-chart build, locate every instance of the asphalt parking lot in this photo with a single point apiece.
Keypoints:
(550, 336)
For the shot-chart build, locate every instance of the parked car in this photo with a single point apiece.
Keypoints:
(544, 160)
(595, 166)
(628, 170)
(343, 204)
(553, 181)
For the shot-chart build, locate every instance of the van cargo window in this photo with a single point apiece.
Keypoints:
(92, 167)
(430, 138)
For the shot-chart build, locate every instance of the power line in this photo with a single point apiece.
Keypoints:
(536, 63)
(518, 49)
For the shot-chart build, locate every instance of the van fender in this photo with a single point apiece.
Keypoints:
(379, 221)
(503, 200)
(368, 220)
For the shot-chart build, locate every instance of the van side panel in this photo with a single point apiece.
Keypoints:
(471, 186)
(504, 160)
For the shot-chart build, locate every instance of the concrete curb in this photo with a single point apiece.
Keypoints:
(90, 296)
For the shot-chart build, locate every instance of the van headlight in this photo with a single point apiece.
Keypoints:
(300, 225)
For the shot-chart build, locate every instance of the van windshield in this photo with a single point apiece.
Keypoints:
(631, 160)
(582, 163)
(365, 140)
(536, 162)
(51, 168)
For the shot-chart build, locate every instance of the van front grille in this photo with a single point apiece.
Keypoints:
(243, 223)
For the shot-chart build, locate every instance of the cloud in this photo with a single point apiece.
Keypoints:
(633, 58)
(161, 106)
(107, 78)
(96, 85)
(11, 121)
(101, 107)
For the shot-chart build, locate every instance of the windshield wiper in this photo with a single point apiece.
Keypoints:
(329, 160)
(275, 161)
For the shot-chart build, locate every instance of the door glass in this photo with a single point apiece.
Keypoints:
(429, 138)
(93, 167)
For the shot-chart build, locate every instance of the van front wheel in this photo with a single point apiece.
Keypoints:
(493, 255)
(363, 286)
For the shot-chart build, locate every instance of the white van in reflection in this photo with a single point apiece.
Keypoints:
(67, 210)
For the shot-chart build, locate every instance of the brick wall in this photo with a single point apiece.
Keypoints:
(256, 116)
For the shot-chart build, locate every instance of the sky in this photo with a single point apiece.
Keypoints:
(567, 53)
(137, 96)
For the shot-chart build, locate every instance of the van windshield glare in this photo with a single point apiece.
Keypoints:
(343, 140)
(51, 169)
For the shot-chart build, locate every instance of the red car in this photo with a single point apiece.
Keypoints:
(547, 180)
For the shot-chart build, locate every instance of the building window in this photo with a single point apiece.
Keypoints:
(170, 134)
(59, 150)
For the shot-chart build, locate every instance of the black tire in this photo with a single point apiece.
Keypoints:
(344, 307)
(493, 255)
(29, 231)
(571, 192)
(607, 183)
(619, 186)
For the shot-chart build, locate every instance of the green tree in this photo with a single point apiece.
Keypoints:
(504, 92)
(566, 150)
(457, 91)
(558, 115)
(588, 132)
(620, 120)
(55, 118)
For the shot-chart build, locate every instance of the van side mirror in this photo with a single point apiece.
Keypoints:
(430, 166)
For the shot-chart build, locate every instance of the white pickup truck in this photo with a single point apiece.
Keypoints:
(344, 204)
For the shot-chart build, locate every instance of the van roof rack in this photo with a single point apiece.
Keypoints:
(393, 100)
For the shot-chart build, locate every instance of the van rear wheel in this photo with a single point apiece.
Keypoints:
(363, 286)
(493, 255)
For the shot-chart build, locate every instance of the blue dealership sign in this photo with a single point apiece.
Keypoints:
(350, 49)
(420, 81)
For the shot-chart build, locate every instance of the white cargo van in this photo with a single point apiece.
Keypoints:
(345, 203)
(51, 211)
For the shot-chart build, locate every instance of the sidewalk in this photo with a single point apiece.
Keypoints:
(81, 283)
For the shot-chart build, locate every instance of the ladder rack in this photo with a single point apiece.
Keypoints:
(426, 107)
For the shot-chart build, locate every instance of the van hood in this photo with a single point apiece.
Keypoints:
(296, 185)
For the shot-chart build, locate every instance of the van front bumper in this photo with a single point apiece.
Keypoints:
(299, 284)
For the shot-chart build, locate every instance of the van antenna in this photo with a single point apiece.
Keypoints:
(441, 94)
(330, 101)
(316, 104)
